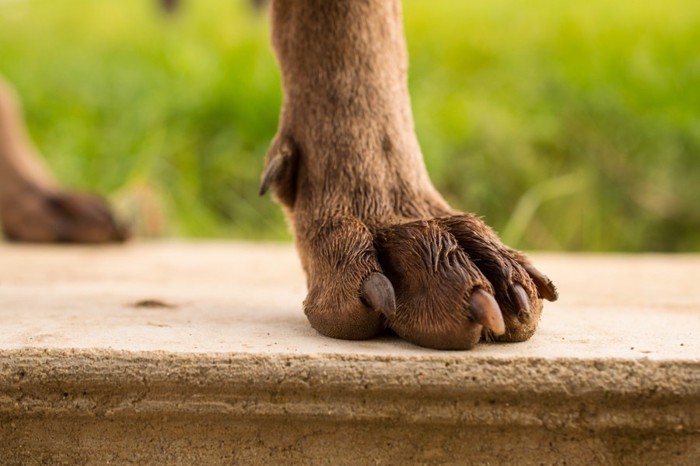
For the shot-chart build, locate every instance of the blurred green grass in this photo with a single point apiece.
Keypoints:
(567, 125)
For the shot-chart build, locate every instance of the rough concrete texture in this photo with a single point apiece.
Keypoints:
(175, 353)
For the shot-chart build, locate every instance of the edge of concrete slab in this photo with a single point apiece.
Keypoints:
(642, 394)
(104, 407)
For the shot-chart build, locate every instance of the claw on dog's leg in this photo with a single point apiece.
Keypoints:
(271, 173)
(545, 287)
(485, 311)
(279, 161)
(520, 297)
(378, 293)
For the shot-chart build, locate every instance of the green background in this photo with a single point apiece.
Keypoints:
(568, 125)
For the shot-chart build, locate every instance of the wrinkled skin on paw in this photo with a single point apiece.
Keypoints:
(380, 246)
(339, 255)
(50, 217)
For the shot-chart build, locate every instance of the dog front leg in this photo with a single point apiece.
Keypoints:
(379, 245)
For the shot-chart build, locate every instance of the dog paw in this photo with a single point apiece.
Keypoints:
(444, 283)
(456, 283)
(60, 217)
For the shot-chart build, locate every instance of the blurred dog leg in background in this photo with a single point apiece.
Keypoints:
(33, 207)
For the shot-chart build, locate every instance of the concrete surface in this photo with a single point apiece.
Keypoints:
(181, 353)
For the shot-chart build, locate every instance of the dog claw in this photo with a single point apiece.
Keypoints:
(271, 173)
(520, 297)
(378, 293)
(545, 287)
(280, 155)
(485, 311)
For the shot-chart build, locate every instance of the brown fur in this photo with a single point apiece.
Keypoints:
(347, 169)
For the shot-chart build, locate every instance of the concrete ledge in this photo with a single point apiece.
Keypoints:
(200, 354)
